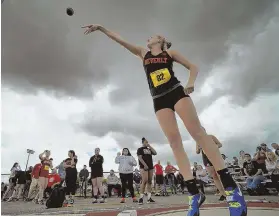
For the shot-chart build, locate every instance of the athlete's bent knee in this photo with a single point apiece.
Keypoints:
(175, 142)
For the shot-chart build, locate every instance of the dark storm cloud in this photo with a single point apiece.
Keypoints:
(44, 49)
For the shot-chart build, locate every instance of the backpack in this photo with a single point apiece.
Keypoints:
(56, 197)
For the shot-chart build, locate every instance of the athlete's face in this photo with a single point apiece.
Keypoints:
(125, 152)
(153, 40)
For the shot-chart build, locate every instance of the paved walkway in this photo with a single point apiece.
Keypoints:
(170, 204)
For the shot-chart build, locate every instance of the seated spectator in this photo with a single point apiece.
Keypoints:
(272, 166)
(113, 182)
(137, 180)
(254, 172)
(227, 163)
(265, 148)
(241, 160)
(276, 148)
(235, 162)
(53, 179)
(195, 168)
(202, 177)
(20, 178)
(260, 157)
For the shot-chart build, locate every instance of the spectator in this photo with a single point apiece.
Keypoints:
(96, 165)
(61, 171)
(226, 161)
(70, 165)
(254, 172)
(43, 175)
(180, 180)
(276, 148)
(83, 176)
(137, 180)
(34, 186)
(170, 170)
(20, 183)
(272, 166)
(202, 177)
(113, 183)
(260, 157)
(195, 168)
(53, 180)
(12, 180)
(241, 160)
(235, 162)
(28, 182)
(126, 166)
(159, 178)
(265, 148)
(146, 168)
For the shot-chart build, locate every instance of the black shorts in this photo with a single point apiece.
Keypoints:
(206, 161)
(159, 179)
(170, 99)
(96, 174)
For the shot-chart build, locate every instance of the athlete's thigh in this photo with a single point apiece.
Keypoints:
(168, 123)
(187, 112)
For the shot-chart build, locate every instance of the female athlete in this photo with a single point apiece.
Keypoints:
(170, 97)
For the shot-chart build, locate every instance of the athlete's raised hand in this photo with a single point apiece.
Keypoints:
(189, 88)
(91, 28)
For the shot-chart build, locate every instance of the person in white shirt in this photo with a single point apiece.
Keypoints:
(126, 166)
(202, 177)
(272, 166)
(113, 182)
(12, 180)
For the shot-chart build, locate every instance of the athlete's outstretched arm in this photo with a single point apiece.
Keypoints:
(177, 57)
(136, 50)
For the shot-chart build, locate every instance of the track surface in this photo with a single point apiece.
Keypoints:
(172, 205)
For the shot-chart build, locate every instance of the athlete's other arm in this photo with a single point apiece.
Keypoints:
(179, 58)
(217, 142)
(136, 50)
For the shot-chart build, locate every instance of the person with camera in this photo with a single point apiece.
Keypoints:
(260, 157)
(83, 176)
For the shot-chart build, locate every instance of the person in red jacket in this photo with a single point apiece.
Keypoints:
(159, 174)
(35, 181)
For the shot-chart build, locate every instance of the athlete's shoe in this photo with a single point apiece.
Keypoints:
(135, 200)
(140, 201)
(122, 200)
(236, 201)
(95, 200)
(195, 201)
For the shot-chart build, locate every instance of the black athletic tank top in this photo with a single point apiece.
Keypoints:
(159, 73)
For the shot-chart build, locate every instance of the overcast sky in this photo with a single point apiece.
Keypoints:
(62, 90)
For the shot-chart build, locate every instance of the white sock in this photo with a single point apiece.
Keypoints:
(148, 196)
